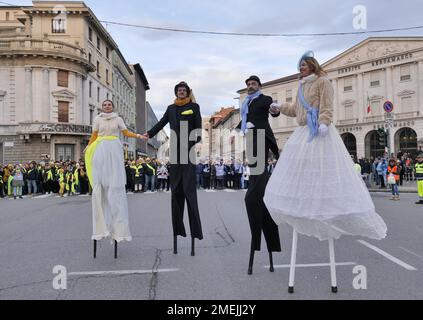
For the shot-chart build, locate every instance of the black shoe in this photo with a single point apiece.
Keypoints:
(20, 197)
(419, 202)
(14, 198)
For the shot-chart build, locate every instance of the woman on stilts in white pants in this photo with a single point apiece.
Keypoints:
(314, 187)
(106, 172)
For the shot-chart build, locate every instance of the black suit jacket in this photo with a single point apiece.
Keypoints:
(174, 117)
(258, 114)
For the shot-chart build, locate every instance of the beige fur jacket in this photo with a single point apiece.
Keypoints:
(318, 92)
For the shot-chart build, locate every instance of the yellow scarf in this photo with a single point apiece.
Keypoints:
(182, 102)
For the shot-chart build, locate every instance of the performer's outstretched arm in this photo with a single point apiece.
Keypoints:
(160, 125)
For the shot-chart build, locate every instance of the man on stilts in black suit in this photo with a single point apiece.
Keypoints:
(184, 117)
(255, 117)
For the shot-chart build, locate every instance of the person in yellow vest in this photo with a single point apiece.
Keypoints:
(61, 179)
(138, 176)
(70, 182)
(76, 178)
(1, 182)
(419, 176)
(48, 179)
(10, 181)
(150, 175)
(106, 172)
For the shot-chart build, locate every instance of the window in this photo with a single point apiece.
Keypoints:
(91, 115)
(98, 94)
(107, 96)
(63, 111)
(374, 79)
(98, 69)
(58, 26)
(274, 97)
(98, 43)
(288, 96)
(7, 16)
(406, 104)
(107, 53)
(63, 78)
(90, 34)
(349, 112)
(90, 57)
(348, 84)
(405, 73)
(107, 76)
(90, 89)
(65, 152)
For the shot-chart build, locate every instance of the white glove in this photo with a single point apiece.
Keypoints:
(323, 130)
(274, 108)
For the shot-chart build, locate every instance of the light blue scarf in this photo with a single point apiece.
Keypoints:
(312, 114)
(244, 111)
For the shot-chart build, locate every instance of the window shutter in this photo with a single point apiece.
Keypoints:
(63, 78)
(63, 111)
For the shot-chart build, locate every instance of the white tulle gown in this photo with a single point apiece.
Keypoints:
(316, 189)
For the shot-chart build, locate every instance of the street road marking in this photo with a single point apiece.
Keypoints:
(229, 190)
(119, 272)
(312, 265)
(387, 255)
(210, 191)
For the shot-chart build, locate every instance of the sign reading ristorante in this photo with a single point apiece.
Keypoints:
(55, 128)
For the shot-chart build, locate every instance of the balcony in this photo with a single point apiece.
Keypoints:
(45, 48)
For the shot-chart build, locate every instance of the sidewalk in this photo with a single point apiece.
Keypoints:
(408, 187)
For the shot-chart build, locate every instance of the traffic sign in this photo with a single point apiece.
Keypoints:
(388, 106)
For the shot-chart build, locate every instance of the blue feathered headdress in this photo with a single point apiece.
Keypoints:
(308, 54)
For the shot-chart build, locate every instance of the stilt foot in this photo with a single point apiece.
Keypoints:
(334, 289)
(95, 249)
(291, 290)
(116, 249)
(175, 245)
(192, 247)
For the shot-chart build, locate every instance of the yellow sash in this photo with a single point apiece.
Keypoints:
(89, 154)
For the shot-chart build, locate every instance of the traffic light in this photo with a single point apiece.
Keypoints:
(382, 137)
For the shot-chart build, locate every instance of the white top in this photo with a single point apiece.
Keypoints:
(108, 124)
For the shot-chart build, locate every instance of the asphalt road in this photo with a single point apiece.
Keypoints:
(37, 234)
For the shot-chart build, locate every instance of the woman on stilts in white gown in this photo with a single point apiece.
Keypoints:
(314, 187)
(106, 172)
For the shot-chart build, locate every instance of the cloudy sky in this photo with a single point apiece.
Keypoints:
(216, 66)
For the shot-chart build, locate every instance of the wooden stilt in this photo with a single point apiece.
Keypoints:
(332, 266)
(192, 247)
(250, 265)
(293, 262)
(95, 249)
(175, 245)
(272, 268)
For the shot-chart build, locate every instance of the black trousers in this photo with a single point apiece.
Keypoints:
(258, 216)
(184, 188)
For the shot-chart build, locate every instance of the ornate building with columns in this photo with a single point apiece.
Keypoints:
(373, 72)
(57, 65)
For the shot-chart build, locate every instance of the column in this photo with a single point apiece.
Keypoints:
(28, 95)
(53, 102)
(361, 97)
(46, 96)
(37, 86)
